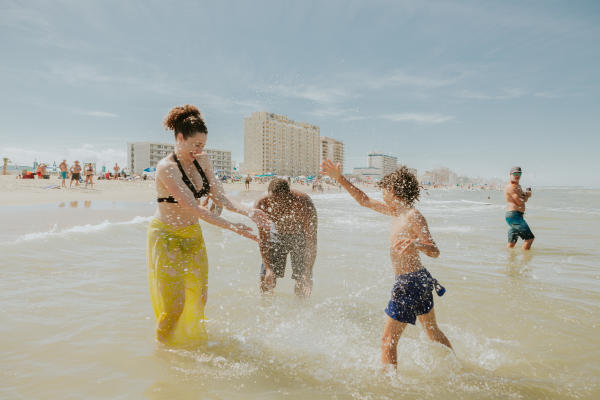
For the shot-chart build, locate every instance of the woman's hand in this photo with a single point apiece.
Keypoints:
(244, 230)
(330, 169)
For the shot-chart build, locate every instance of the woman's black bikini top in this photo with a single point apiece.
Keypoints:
(197, 194)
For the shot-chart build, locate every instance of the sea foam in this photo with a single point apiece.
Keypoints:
(79, 229)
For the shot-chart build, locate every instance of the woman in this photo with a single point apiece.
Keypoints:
(89, 175)
(177, 263)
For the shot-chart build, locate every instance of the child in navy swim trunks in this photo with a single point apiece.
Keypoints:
(412, 292)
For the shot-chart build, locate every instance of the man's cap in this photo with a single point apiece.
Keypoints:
(515, 169)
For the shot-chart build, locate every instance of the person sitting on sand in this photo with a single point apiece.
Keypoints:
(409, 235)
(515, 204)
(75, 174)
(294, 231)
(89, 175)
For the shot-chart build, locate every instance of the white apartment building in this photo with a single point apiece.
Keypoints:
(142, 155)
(379, 165)
(383, 162)
(276, 144)
(440, 176)
(332, 149)
(221, 161)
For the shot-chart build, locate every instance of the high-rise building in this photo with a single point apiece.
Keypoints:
(276, 144)
(440, 176)
(379, 166)
(142, 155)
(221, 161)
(383, 162)
(332, 149)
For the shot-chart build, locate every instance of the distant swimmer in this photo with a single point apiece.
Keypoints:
(515, 204)
(176, 256)
(75, 174)
(63, 168)
(412, 291)
(293, 231)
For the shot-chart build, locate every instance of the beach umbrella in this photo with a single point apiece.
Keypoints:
(150, 169)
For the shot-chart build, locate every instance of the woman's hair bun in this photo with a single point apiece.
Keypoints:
(179, 113)
(186, 120)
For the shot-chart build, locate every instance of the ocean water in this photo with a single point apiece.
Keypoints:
(76, 319)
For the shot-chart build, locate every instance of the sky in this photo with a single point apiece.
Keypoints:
(474, 86)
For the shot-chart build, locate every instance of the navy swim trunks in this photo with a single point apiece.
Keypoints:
(411, 296)
(518, 227)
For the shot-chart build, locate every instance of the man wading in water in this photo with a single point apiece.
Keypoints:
(409, 235)
(294, 231)
(515, 204)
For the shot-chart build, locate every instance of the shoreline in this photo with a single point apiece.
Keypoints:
(15, 191)
(47, 191)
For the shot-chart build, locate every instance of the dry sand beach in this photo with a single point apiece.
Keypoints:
(40, 191)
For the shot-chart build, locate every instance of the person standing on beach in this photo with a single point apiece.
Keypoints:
(176, 255)
(247, 182)
(63, 168)
(43, 171)
(294, 231)
(515, 204)
(75, 174)
(116, 169)
(89, 175)
(409, 235)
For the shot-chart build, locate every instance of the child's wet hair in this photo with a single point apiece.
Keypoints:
(403, 184)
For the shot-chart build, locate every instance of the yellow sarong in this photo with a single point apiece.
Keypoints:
(178, 274)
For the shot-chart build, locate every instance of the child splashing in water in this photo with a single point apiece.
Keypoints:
(409, 235)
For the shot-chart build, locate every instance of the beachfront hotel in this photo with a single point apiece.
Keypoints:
(275, 144)
(332, 149)
(439, 176)
(142, 155)
(221, 161)
(379, 165)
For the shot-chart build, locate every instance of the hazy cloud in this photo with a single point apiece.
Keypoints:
(314, 93)
(83, 153)
(101, 114)
(420, 118)
(400, 78)
(505, 94)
